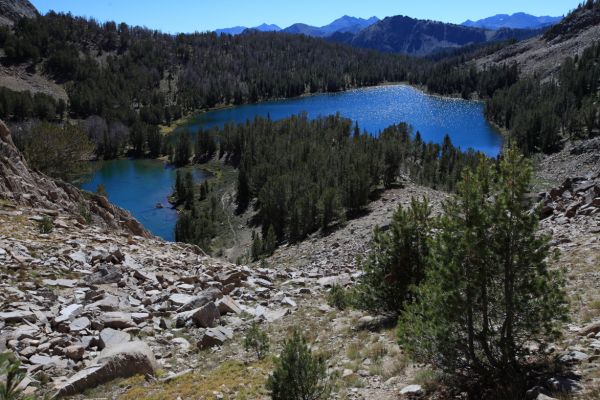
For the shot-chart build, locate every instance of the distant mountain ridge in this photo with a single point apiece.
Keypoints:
(406, 35)
(343, 24)
(515, 21)
(236, 30)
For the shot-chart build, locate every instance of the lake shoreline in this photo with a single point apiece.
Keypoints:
(189, 117)
(373, 108)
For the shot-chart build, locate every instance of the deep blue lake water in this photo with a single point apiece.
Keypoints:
(137, 185)
(376, 108)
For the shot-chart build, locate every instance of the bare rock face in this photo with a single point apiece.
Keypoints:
(20, 185)
(120, 361)
(13, 10)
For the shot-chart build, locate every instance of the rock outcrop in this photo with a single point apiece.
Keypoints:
(13, 10)
(21, 186)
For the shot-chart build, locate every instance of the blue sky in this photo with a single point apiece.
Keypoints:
(202, 15)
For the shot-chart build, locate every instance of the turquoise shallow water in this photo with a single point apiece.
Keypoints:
(137, 185)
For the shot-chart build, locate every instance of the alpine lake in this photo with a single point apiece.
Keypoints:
(143, 186)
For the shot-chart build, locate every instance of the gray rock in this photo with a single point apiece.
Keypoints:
(108, 303)
(121, 361)
(104, 275)
(180, 299)
(263, 282)
(110, 337)
(69, 313)
(117, 320)
(79, 324)
(412, 390)
(17, 316)
(24, 332)
(228, 305)
(68, 283)
(28, 351)
(564, 385)
(182, 343)
(75, 352)
(215, 337)
(205, 316)
(42, 360)
(593, 327)
(234, 278)
(203, 298)
(574, 356)
(288, 301)
(78, 256)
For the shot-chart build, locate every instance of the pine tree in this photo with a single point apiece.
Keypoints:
(256, 249)
(330, 207)
(183, 151)
(299, 374)
(270, 241)
(189, 190)
(180, 187)
(243, 190)
(397, 260)
(154, 141)
(488, 289)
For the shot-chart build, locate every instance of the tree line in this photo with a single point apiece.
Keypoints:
(302, 175)
(142, 78)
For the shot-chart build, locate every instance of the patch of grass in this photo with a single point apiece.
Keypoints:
(353, 381)
(429, 379)
(376, 351)
(353, 351)
(376, 369)
(45, 225)
(6, 203)
(233, 379)
(395, 366)
(595, 304)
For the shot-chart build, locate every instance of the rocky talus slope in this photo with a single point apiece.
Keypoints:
(88, 303)
(23, 187)
(543, 55)
(571, 214)
(99, 298)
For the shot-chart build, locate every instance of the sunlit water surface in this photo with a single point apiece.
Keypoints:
(138, 185)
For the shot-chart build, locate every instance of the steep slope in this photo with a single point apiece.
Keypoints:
(12, 10)
(401, 34)
(21, 186)
(514, 21)
(544, 54)
(86, 302)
